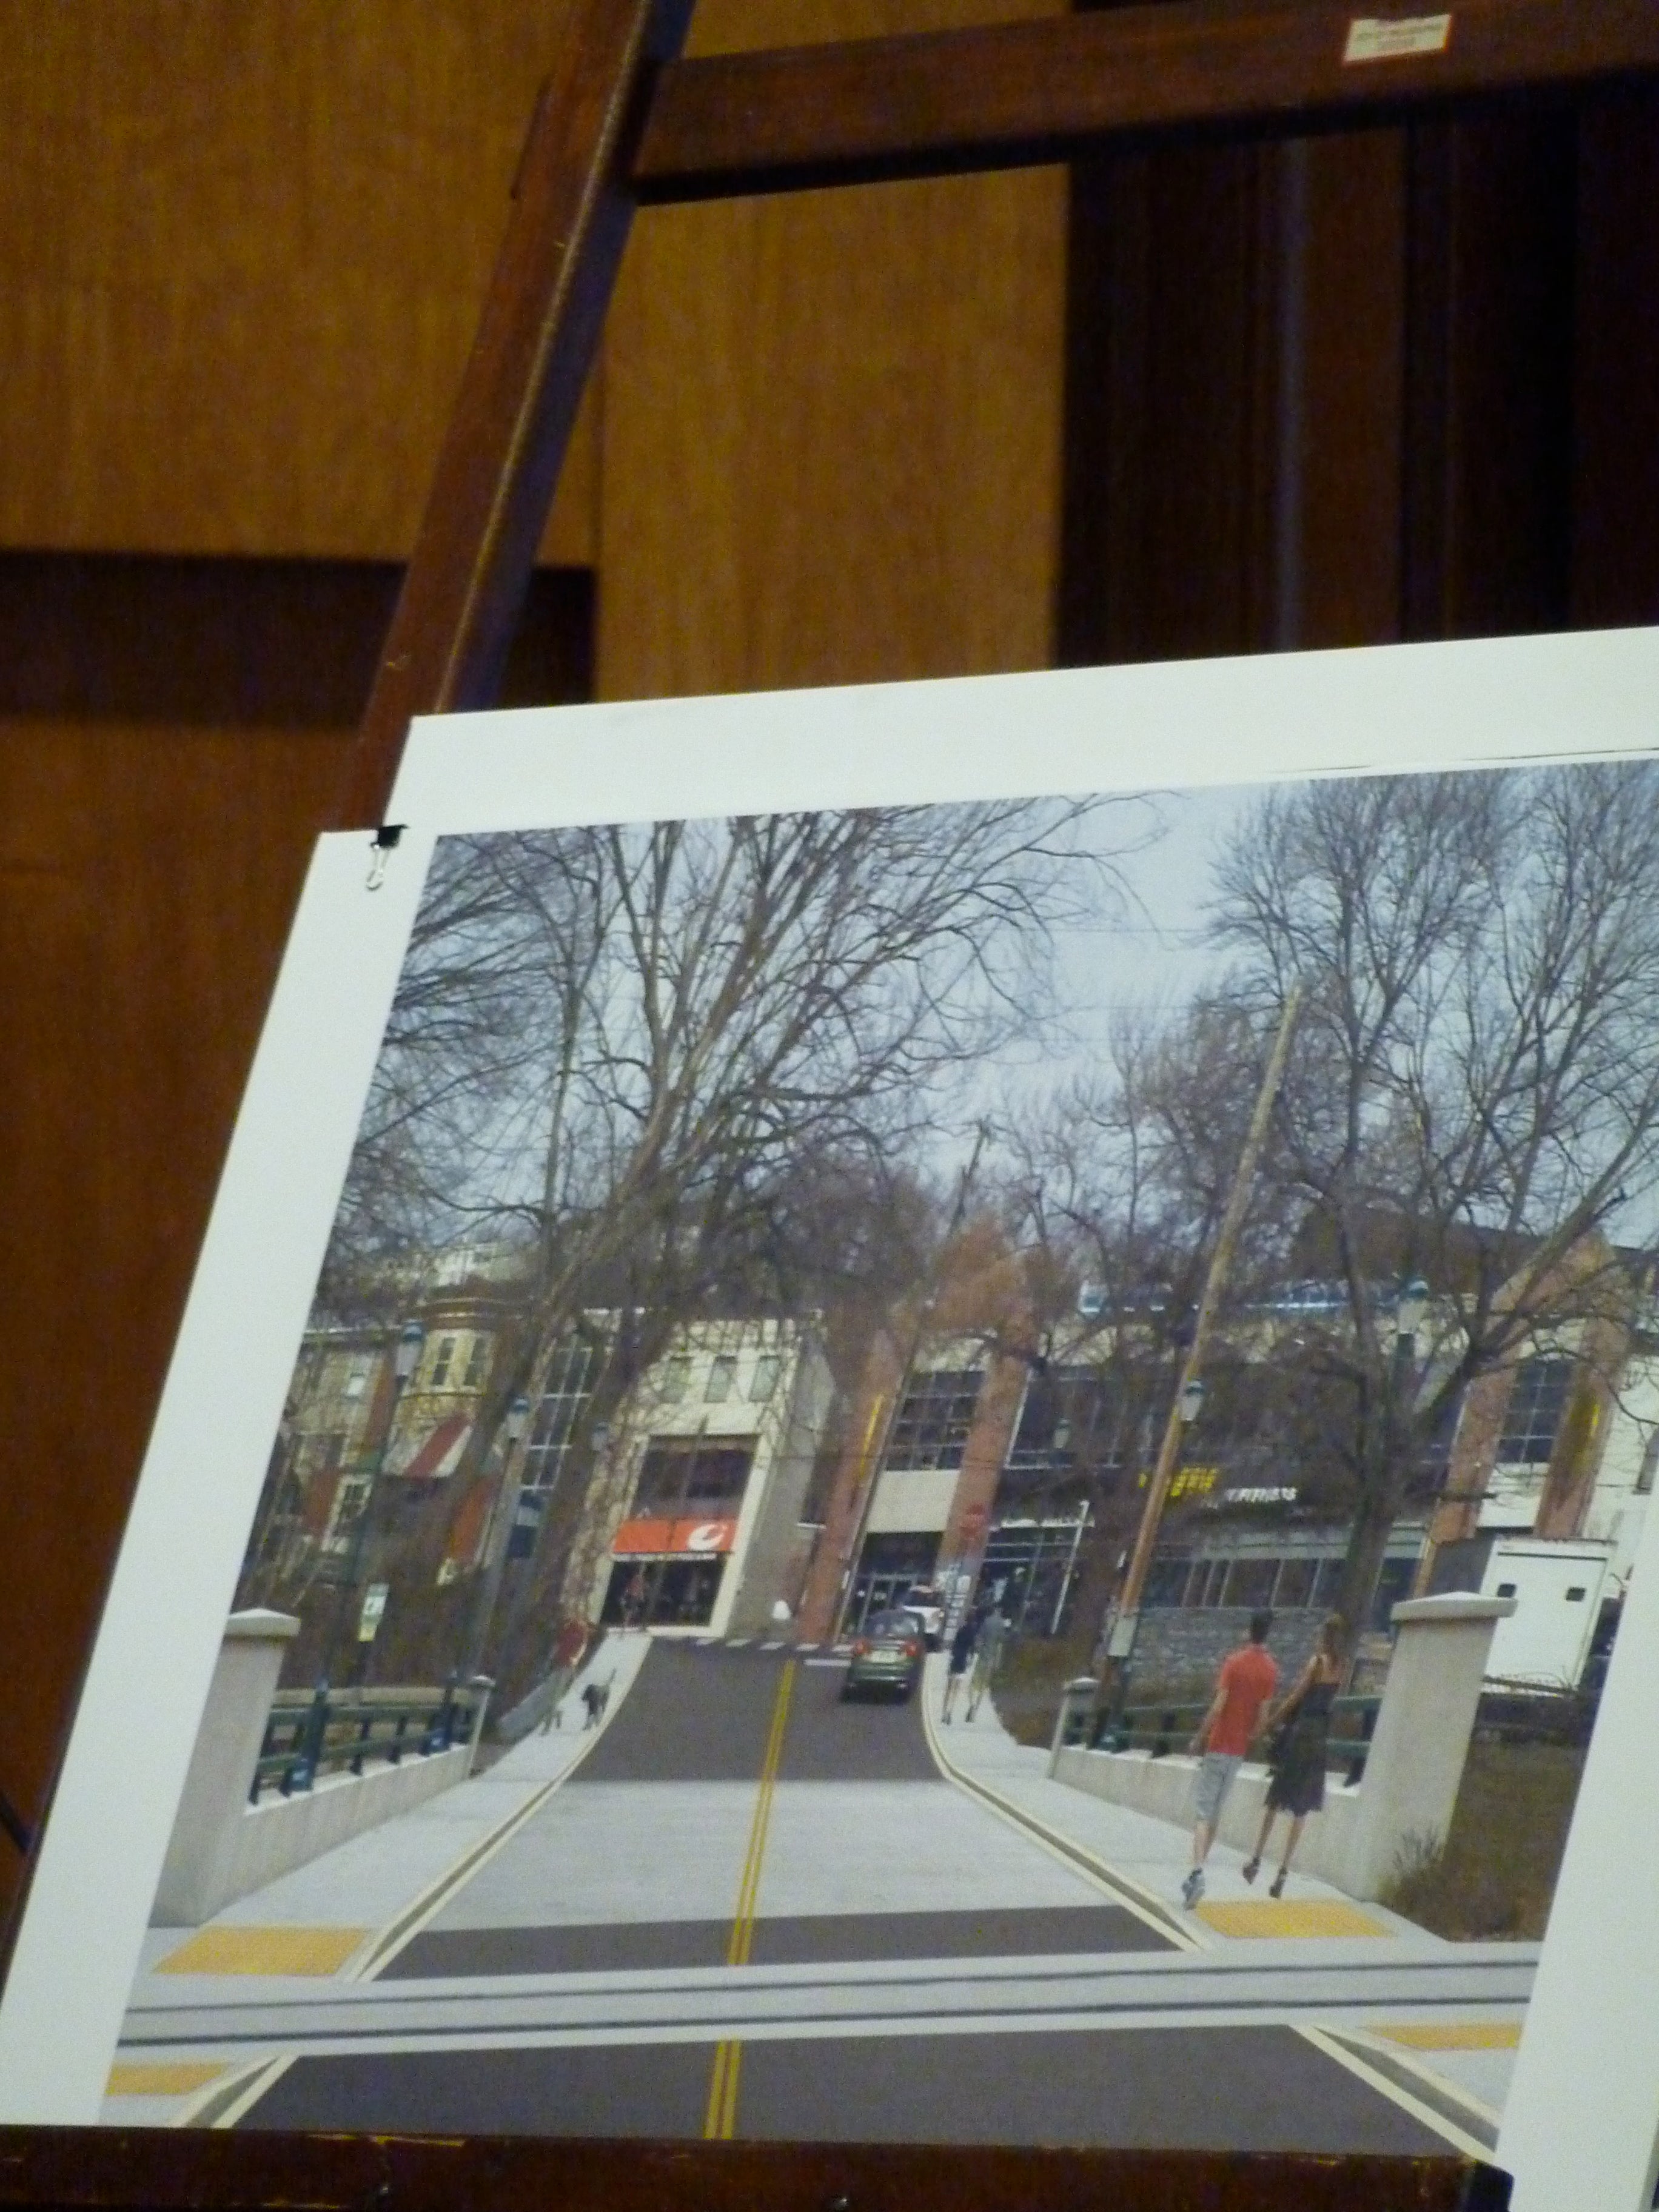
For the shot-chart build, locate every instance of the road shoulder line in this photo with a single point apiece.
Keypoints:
(1145, 1907)
(403, 1927)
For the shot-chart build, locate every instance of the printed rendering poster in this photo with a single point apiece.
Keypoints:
(769, 1238)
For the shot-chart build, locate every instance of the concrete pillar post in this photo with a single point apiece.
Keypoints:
(483, 1684)
(1415, 1763)
(215, 1799)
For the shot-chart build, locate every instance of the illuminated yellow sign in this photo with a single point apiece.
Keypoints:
(1187, 1482)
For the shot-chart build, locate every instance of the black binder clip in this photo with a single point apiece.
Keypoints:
(384, 842)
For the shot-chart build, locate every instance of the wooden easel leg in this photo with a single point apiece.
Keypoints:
(536, 341)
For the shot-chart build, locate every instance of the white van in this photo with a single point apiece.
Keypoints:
(1557, 1586)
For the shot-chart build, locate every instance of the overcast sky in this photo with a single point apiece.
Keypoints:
(1153, 956)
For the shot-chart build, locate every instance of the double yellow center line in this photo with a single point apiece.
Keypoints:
(720, 2119)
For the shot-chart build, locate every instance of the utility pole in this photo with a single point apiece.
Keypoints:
(924, 1315)
(1124, 1618)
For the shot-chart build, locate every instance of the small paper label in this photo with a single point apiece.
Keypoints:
(1381, 39)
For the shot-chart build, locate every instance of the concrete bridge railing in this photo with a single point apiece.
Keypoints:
(224, 1846)
(1403, 1802)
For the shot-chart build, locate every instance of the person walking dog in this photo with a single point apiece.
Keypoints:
(1301, 1749)
(1246, 1682)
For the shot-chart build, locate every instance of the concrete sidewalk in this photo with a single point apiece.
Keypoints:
(345, 1915)
(1150, 1855)
(1148, 1859)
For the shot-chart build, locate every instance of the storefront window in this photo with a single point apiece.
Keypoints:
(662, 1593)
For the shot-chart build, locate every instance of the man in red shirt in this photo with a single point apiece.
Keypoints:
(1245, 1683)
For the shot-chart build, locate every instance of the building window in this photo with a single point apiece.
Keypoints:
(570, 1377)
(1209, 1590)
(323, 1453)
(1071, 1417)
(765, 1379)
(675, 1377)
(1393, 1587)
(1251, 1582)
(1536, 1404)
(356, 1381)
(477, 1361)
(1434, 1450)
(722, 1374)
(349, 1500)
(1295, 1586)
(1166, 1581)
(1645, 1473)
(1329, 1582)
(441, 1364)
(691, 1480)
(934, 1420)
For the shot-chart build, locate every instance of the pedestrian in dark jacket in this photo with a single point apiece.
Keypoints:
(962, 1650)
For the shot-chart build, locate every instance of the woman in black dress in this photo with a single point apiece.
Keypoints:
(1304, 1723)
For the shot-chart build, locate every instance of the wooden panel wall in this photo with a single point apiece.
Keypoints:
(241, 250)
(831, 443)
(1396, 385)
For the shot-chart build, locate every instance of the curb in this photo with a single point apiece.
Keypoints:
(1141, 1902)
(1466, 2125)
(400, 1930)
(1465, 2111)
(223, 2102)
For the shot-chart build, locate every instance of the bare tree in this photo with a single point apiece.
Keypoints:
(1120, 1180)
(1474, 1095)
(616, 1046)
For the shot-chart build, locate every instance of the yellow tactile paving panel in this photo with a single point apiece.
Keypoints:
(1455, 2035)
(231, 1950)
(1290, 1916)
(178, 2081)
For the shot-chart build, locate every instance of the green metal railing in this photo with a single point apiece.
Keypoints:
(310, 1732)
(1159, 1726)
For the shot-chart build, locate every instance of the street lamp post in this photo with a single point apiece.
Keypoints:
(1124, 1620)
(515, 1422)
(405, 1359)
(599, 1443)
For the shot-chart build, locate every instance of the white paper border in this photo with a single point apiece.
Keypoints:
(72, 1968)
(1591, 2049)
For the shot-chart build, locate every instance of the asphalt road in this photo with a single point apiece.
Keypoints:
(757, 1910)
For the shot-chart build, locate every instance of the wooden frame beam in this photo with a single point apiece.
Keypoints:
(523, 382)
(625, 123)
(1044, 90)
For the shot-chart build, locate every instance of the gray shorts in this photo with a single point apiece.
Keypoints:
(1216, 1771)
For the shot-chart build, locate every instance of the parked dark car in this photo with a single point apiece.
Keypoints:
(886, 1656)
